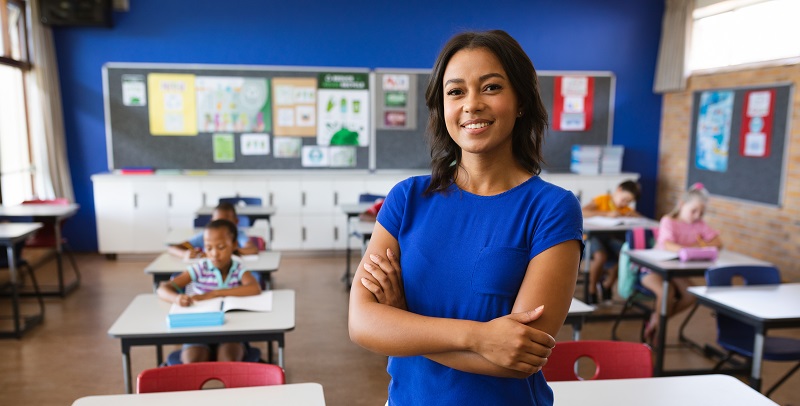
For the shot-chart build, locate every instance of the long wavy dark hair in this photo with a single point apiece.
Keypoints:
(528, 129)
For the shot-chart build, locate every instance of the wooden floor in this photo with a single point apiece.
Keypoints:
(71, 356)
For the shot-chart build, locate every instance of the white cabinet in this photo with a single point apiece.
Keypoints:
(150, 216)
(131, 216)
(183, 199)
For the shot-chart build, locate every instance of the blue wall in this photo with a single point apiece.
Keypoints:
(615, 35)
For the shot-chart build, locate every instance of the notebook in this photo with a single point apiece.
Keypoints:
(211, 312)
(605, 221)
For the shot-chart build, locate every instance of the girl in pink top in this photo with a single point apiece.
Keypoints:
(683, 227)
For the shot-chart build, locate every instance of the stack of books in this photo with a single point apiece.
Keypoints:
(585, 159)
(611, 159)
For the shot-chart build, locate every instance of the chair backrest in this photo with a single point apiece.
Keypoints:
(640, 238)
(613, 360)
(259, 242)
(241, 201)
(369, 198)
(732, 332)
(46, 236)
(194, 376)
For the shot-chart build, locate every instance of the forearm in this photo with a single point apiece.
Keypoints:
(166, 292)
(177, 250)
(467, 361)
(244, 290)
(389, 331)
(247, 250)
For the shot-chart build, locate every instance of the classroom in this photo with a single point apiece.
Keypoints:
(130, 131)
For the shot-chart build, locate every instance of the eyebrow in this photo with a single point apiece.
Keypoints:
(481, 79)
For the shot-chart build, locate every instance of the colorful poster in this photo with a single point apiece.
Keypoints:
(232, 104)
(396, 102)
(224, 148)
(343, 109)
(254, 144)
(295, 103)
(756, 133)
(287, 147)
(714, 130)
(133, 90)
(172, 104)
(315, 156)
(573, 103)
(342, 157)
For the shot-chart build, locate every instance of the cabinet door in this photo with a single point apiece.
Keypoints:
(347, 192)
(150, 216)
(183, 198)
(212, 190)
(113, 207)
(318, 232)
(316, 197)
(253, 188)
(285, 196)
(380, 186)
(286, 232)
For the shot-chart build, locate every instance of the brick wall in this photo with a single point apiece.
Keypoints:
(768, 233)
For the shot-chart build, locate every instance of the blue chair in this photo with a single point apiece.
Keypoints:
(241, 201)
(737, 337)
(637, 238)
(202, 220)
(369, 198)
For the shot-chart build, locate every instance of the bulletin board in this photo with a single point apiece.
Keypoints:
(224, 109)
(738, 141)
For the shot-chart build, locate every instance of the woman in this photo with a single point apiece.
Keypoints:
(489, 252)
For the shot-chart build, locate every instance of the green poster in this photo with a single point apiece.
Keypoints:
(223, 148)
(395, 99)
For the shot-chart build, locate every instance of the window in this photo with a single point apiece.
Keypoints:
(16, 171)
(738, 32)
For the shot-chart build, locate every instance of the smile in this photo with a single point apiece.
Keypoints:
(476, 125)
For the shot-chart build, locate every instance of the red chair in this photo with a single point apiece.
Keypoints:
(613, 360)
(193, 376)
(46, 236)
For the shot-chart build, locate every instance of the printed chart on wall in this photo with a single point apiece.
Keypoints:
(396, 102)
(343, 106)
(573, 103)
(714, 130)
(172, 104)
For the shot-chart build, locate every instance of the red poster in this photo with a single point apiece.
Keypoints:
(573, 103)
(756, 132)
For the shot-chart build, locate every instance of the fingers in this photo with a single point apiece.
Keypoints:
(374, 288)
(527, 317)
(378, 273)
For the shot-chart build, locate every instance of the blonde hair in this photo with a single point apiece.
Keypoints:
(695, 192)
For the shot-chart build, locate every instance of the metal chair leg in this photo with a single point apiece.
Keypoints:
(782, 380)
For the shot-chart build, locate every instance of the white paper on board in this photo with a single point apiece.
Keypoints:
(755, 144)
(254, 144)
(286, 117)
(315, 156)
(573, 104)
(758, 104)
(287, 147)
(574, 86)
(573, 122)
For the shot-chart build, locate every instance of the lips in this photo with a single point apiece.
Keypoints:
(476, 124)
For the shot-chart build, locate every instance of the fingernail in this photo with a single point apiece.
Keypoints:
(367, 266)
(538, 309)
(389, 253)
(373, 257)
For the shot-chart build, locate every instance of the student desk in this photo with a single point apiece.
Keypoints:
(10, 234)
(762, 306)
(48, 213)
(693, 390)
(166, 264)
(672, 268)
(144, 322)
(301, 394)
(596, 229)
(576, 316)
(352, 210)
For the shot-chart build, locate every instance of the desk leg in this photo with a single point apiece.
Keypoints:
(59, 262)
(346, 276)
(126, 370)
(758, 358)
(280, 353)
(12, 269)
(587, 263)
(576, 329)
(662, 329)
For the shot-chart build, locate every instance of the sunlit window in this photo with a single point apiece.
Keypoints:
(766, 31)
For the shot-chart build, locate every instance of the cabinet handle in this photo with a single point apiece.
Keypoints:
(270, 198)
(271, 234)
(336, 233)
(204, 198)
(335, 198)
(135, 200)
(303, 199)
(304, 233)
(169, 199)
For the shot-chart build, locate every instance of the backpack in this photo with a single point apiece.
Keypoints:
(639, 238)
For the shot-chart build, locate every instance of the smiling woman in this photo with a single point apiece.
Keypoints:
(470, 271)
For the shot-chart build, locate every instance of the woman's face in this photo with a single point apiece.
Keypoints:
(480, 106)
(692, 211)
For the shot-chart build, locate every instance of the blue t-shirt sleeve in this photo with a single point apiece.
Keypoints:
(197, 240)
(559, 222)
(391, 214)
(242, 238)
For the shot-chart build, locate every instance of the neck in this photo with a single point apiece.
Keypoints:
(488, 176)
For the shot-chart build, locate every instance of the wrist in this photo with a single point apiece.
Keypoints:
(470, 339)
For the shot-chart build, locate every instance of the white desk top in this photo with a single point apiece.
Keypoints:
(692, 390)
(15, 231)
(354, 209)
(298, 394)
(767, 302)
(42, 210)
(266, 261)
(240, 210)
(364, 228)
(146, 316)
(592, 224)
(577, 308)
(725, 258)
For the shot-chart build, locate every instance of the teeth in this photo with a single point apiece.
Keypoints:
(476, 126)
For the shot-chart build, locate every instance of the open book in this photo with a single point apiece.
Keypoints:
(604, 221)
(211, 312)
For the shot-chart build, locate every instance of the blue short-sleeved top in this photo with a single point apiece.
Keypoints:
(197, 240)
(464, 256)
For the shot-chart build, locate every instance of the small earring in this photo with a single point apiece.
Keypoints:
(519, 114)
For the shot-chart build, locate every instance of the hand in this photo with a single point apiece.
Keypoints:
(614, 213)
(193, 253)
(386, 281)
(508, 342)
(184, 300)
(204, 296)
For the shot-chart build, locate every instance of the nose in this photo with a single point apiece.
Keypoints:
(473, 103)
